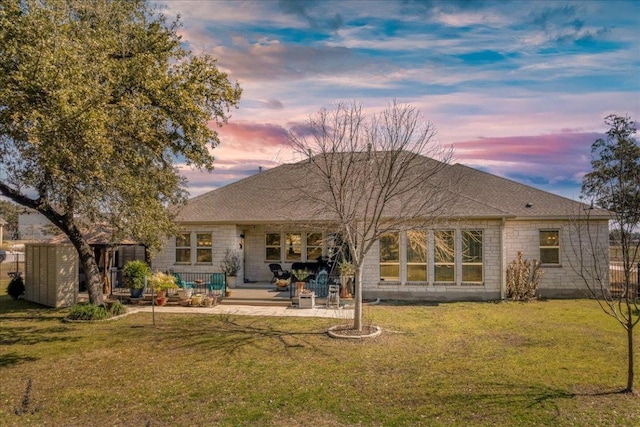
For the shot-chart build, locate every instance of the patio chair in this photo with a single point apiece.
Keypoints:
(320, 284)
(217, 283)
(278, 272)
(181, 283)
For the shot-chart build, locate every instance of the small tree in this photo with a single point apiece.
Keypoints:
(372, 175)
(523, 278)
(613, 184)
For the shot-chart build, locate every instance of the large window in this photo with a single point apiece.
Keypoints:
(314, 246)
(390, 257)
(272, 247)
(183, 248)
(293, 246)
(550, 246)
(204, 249)
(416, 256)
(444, 253)
(472, 256)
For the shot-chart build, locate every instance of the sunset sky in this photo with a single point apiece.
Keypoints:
(519, 88)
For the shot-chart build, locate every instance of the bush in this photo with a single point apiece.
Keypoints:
(15, 288)
(88, 312)
(523, 278)
(117, 309)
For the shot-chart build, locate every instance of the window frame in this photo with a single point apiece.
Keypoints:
(277, 246)
(448, 263)
(463, 257)
(549, 247)
(313, 247)
(413, 263)
(187, 248)
(383, 262)
(201, 249)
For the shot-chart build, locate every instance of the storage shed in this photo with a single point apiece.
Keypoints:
(51, 274)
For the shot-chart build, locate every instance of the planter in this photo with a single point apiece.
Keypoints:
(184, 294)
(208, 302)
(299, 287)
(185, 303)
(227, 293)
(231, 281)
(307, 300)
(161, 301)
(137, 293)
(161, 293)
(196, 300)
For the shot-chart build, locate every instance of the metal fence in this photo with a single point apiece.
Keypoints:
(616, 279)
(198, 281)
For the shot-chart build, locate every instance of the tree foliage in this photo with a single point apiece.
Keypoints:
(367, 171)
(99, 103)
(614, 184)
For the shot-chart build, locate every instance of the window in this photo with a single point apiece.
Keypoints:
(444, 254)
(314, 246)
(183, 248)
(390, 257)
(472, 256)
(550, 246)
(272, 245)
(204, 253)
(416, 256)
(294, 246)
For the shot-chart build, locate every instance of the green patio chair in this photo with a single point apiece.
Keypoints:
(181, 283)
(217, 283)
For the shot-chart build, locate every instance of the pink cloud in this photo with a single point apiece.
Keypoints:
(551, 158)
(247, 135)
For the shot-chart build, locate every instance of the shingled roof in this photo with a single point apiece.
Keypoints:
(268, 197)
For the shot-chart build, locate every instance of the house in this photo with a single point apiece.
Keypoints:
(493, 219)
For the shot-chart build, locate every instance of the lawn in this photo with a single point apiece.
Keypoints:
(543, 363)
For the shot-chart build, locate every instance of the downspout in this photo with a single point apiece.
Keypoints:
(503, 272)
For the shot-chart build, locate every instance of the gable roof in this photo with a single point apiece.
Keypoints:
(270, 196)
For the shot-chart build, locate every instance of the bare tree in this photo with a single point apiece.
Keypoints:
(372, 175)
(613, 184)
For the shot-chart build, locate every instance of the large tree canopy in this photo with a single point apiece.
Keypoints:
(99, 101)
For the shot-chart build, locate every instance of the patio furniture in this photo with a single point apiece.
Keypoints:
(181, 283)
(320, 284)
(278, 272)
(217, 283)
(333, 298)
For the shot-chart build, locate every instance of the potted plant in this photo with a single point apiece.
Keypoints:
(161, 283)
(134, 274)
(300, 276)
(230, 265)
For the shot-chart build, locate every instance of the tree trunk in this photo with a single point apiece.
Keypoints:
(630, 371)
(88, 261)
(357, 313)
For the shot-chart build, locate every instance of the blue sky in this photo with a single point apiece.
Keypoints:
(520, 89)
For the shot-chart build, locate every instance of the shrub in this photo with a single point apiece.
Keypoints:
(88, 312)
(117, 309)
(15, 288)
(523, 278)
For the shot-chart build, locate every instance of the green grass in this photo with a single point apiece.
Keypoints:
(543, 363)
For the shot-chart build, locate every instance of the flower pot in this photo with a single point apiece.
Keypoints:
(161, 301)
(299, 287)
(137, 293)
(231, 281)
(208, 302)
(161, 293)
(227, 293)
(184, 294)
(196, 300)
